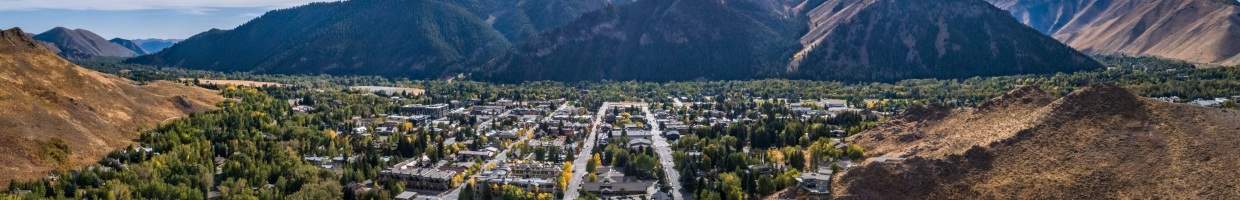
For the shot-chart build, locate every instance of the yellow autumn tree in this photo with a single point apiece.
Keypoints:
(566, 175)
(595, 161)
(406, 126)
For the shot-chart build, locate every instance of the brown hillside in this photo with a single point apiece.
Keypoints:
(1098, 142)
(889, 40)
(44, 99)
(1203, 31)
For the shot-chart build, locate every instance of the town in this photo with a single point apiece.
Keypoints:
(563, 149)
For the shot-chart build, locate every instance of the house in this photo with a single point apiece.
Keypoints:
(838, 133)
(672, 135)
(816, 184)
(303, 109)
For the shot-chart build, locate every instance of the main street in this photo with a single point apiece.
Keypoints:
(663, 148)
(584, 154)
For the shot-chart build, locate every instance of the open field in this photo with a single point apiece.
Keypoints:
(389, 90)
(237, 83)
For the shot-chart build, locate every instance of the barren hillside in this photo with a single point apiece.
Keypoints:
(1203, 31)
(889, 40)
(1098, 142)
(54, 114)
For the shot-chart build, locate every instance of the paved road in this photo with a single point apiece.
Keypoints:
(663, 148)
(584, 155)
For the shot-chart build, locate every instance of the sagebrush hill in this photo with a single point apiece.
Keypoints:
(57, 115)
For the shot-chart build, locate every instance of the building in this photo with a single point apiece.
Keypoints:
(835, 103)
(504, 176)
(633, 134)
(615, 185)
(638, 144)
(419, 177)
(815, 184)
(406, 195)
(473, 155)
(434, 110)
(543, 170)
(672, 135)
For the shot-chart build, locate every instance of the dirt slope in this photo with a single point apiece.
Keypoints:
(888, 40)
(1098, 142)
(1203, 31)
(44, 98)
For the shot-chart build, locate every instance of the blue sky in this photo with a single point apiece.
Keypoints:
(136, 19)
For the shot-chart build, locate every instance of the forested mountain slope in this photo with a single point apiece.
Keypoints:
(417, 39)
(659, 40)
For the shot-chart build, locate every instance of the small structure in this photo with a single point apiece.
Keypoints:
(816, 184)
(406, 195)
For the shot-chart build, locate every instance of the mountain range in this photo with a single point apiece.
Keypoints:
(1097, 142)
(1200, 31)
(661, 40)
(57, 115)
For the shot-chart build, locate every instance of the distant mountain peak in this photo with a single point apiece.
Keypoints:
(129, 44)
(82, 44)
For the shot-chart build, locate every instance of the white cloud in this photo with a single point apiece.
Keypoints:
(124, 5)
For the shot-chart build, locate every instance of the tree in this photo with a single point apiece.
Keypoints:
(855, 152)
(595, 161)
(731, 185)
(407, 126)
(566, 175)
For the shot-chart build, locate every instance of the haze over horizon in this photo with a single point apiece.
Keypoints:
(136, 19)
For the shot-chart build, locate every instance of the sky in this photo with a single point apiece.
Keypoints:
(136, 19)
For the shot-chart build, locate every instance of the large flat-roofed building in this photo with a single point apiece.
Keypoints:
(506, 175)
(433, 110)
(419, 177)
(544, 170)
(613, 184)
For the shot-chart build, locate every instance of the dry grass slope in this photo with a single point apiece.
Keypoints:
(1095, 143)
(56, 115)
